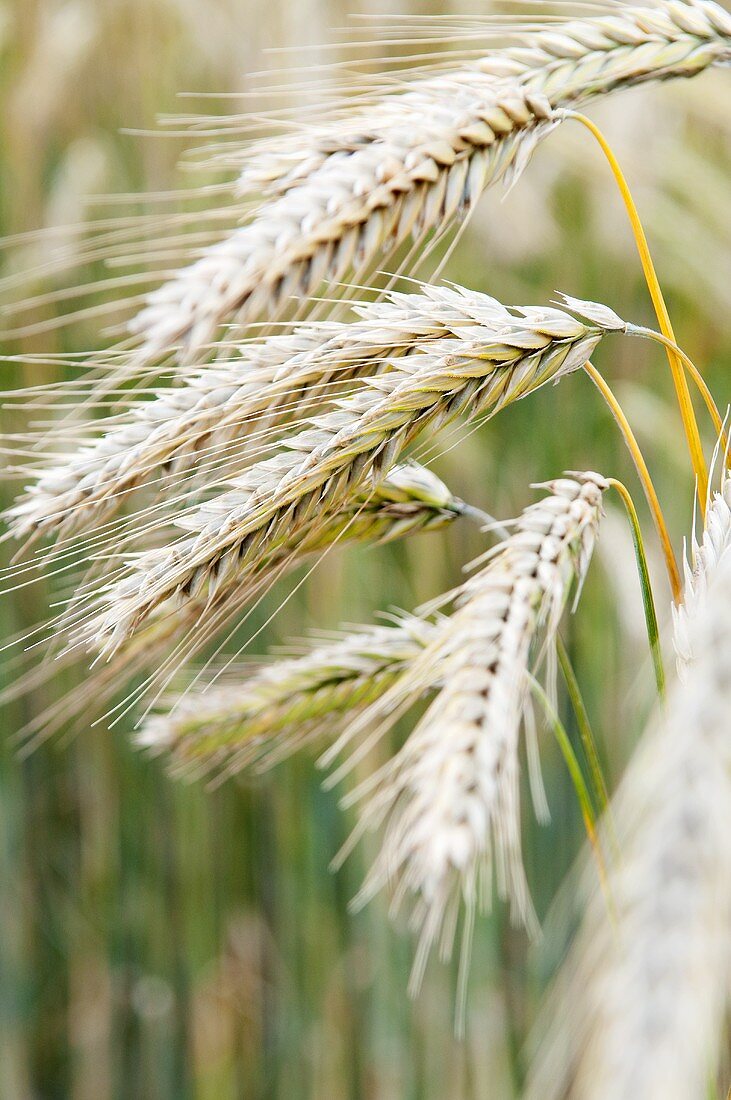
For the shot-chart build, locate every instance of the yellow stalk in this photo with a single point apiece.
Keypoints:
(694, 373)
(681, 384)
(644, 476)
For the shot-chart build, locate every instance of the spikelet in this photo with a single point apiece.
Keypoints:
(412, 162)
(450, 798)
(478, 370)
(639, 1008)
(715, 547)
(185, 427)
(275, 708)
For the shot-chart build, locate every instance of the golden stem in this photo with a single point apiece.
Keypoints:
(690, 424)
(644, 476)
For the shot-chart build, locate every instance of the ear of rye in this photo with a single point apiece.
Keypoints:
(413, 162)
(409, 501)
(449, 800)
(478, 370)
(229, 409)
(286, 702)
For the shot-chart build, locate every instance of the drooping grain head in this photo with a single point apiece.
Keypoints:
(409, 501)
(475, 370)
(422, 165)
(449, 800)
(221, 416)
(339, 195)
(262, 713)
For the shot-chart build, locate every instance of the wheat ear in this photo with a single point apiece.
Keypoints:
(640, 1006)
(714, 548)
(410, 500)
(270, 380)
(478, 370)
(416, 171)
(277, 707)
(569, 63)
(413, 162)
(450, 798)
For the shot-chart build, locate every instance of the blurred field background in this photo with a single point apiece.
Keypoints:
(164, 941)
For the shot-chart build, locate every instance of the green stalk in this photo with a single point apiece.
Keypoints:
(577, 778)
(648, 602)
(588, 740)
